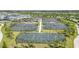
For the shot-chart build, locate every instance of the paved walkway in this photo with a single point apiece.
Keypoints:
(40, 25)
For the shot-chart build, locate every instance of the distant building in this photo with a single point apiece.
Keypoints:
(12, 16)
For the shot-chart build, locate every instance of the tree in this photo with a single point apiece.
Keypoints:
(4, 45)
(31, 45)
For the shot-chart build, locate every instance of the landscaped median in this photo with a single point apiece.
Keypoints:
(70, 32)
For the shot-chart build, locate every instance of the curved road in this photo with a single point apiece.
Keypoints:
(1, 34)
(76, 41)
